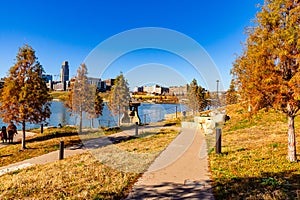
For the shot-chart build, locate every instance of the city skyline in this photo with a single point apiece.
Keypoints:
(76, 28)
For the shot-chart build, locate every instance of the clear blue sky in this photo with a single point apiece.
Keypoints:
(69, 30)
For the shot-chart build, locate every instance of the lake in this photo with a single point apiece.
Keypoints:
(147, 112)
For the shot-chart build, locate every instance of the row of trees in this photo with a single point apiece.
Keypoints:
(84, 98)
(25, 98)
(80, 97)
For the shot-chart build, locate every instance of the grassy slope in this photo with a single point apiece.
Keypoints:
(253, 162)
(81, 176)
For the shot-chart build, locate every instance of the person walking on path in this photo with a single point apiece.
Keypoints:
(3, 134)
(11, 130)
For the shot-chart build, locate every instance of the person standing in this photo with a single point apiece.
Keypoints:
(3, 134)
(11, 130)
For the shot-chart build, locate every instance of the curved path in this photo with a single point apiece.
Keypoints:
(186, 177)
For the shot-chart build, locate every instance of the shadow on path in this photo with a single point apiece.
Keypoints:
(168, 190)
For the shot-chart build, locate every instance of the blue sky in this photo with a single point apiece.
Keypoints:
(70, 30)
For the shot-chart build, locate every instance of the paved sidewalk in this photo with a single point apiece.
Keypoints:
(91, 144)
(180, 172)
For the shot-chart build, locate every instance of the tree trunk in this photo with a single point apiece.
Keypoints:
(92, 122)
(291, 139)
(80, 122)
(23, 136)
(119, 118)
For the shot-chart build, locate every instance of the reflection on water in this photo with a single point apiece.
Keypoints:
(147, 112)
(60, 115)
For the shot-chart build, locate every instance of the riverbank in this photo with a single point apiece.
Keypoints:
(159, 99)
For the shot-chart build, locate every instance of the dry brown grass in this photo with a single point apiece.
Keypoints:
(78, 177)
(81, 176)
(154, 143)
(253, 162)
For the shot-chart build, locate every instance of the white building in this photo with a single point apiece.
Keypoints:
(155, 89)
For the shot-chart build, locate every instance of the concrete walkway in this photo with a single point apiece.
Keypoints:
(180, 172)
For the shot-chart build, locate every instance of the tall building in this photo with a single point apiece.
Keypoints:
(64, 72)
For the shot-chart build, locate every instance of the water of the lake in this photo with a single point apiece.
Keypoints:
(147, 112)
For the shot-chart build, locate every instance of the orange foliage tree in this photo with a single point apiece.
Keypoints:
(24, 97)
(267, 71)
